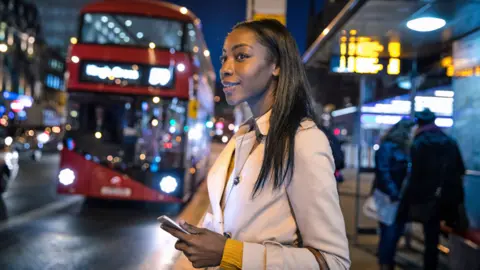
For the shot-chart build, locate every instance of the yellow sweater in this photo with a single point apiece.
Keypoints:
(233, 250)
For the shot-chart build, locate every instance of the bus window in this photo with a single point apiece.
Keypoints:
(137, 129)
(131, 30)
(191, 39)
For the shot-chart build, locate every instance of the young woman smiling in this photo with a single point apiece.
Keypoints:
(273, 195)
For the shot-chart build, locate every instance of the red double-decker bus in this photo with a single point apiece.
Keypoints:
(140, 99)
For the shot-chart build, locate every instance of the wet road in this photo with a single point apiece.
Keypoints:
(45, 231)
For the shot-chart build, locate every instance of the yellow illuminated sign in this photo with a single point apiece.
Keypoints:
(393, 67)
(361, 54)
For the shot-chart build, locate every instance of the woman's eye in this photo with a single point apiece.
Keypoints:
(241, 57)
(222, 59)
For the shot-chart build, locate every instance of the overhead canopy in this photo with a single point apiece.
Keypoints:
(385, 21)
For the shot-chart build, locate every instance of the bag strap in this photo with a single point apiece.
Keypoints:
(322, 262)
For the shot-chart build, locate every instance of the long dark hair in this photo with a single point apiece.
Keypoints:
(291, 101)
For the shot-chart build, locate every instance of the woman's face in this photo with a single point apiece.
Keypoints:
(246, 71)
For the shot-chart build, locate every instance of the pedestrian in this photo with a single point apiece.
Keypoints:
(391, 169)
(435, 183)
(273, 195)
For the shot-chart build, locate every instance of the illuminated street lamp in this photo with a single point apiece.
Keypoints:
(426, 24)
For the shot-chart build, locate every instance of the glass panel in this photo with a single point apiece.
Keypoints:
(131, 30)
(137, 130)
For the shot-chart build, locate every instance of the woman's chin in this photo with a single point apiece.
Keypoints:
(231, 101)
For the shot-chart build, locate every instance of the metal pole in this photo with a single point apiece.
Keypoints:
(413, 91)
(363, 89)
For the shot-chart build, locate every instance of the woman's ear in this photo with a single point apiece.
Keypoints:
(276, 71)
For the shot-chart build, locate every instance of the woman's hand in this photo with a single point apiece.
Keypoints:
(202, 247)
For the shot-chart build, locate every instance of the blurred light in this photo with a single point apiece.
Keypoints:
(154, 122)
(31, 133)
(405, 84)
(183, 10)
(71, 144)
(336, 131)
(193, 170)
(158, 159)
(154, 167)
(172, 129)
(66, 177)
(209, 124)
(394, 49)
(116, 30)
(168, 184)
(444, 122)
(151, 45)
(376, 147)
(104, 19)
(178, 139)
(195, 133)
(16, 106)
(88, 157)
(195, 49)
(224, 139)
(98, 135)
(156, 100)
(59, 146)
(3, 48)
(144, 106)
(344, 132)
(231, 126)
(160, 76)
(73, 114)
(142, 156)
(353, 32)
(128, 23)
(219, 125)
(31, 40)
(139, 35)
(216, 99)
(8, 141)
(181, 67)
(73, 40)
(68, 127)
(173, 122)
(444, 93)
(75, 59)
(393, 67)
(219, 132)
(426, 24)
(325, 31)
(111, 25)
(206, 53)
(43, 138)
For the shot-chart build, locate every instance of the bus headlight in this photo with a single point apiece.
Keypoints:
(66, 177)
(159, 76)
(168, 184)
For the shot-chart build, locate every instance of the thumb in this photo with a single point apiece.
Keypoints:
(188, 227)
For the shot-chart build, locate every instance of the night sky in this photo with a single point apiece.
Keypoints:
(219, 16)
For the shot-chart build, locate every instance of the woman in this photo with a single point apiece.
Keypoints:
(273, 196)
(392, 163)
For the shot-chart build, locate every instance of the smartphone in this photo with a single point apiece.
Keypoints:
(166, 220)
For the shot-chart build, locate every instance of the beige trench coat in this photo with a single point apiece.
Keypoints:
(272, 224)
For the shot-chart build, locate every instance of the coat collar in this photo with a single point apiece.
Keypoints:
(262, 124)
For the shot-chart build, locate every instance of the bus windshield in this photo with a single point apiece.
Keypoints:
(128, 130)
(129, 30)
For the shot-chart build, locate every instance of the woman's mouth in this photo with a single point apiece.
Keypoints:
(229, 86)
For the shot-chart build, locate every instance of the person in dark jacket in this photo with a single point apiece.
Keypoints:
(435, 183)
(392, 163)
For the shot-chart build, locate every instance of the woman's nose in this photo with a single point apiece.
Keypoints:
(226, 69)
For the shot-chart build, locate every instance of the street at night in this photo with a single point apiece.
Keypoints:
(43, 230)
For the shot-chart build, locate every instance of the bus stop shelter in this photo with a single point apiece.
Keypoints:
(369, 39)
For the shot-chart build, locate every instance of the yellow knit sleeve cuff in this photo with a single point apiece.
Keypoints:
(232, 255)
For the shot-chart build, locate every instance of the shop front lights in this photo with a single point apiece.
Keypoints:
(426, 24)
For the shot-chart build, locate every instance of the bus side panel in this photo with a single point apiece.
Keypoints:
(82, 170)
